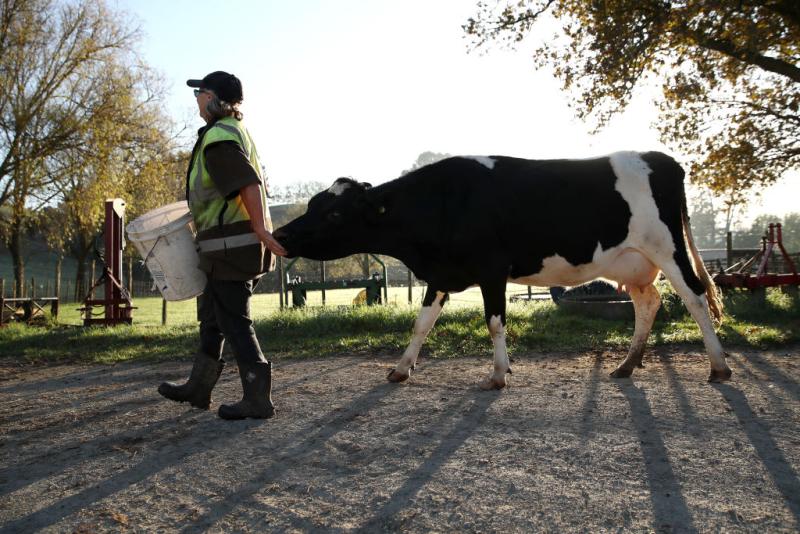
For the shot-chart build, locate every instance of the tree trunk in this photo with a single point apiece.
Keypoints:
(58, 276)
(365, 265)
(80, 251)
(15, 248)
(80, 273)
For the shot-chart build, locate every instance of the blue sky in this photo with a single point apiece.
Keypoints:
(360, 88)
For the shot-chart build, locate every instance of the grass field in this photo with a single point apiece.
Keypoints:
(148, 312)
(340, 328)
(149, 309)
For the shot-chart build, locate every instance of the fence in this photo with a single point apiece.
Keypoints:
(137, 281)
(139, 285)
(775, 264)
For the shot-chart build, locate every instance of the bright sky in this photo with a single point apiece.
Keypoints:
(361, 87)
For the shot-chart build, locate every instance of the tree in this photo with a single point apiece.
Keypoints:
(712, 218)
(704, 221)
(426, 158)
(296, 192)
(729, 74)
(68, 77)
(790, 230)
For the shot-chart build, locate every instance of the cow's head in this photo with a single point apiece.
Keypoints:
(339, 221)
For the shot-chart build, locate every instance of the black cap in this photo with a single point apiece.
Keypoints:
(226, 86)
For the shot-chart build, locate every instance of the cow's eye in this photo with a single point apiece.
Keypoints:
(334, 216)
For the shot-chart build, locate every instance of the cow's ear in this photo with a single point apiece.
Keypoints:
(366, 185)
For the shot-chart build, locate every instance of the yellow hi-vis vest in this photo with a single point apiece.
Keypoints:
(228, 247)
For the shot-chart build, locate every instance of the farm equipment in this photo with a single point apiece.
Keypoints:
(116, 304)
(741, 274)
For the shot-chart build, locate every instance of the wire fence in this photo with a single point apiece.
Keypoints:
(403, 287)
(398, 276)
(138, 282)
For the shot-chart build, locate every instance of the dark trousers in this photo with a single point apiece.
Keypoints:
(224, 314)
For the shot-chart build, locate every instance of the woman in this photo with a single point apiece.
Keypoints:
(227, 197)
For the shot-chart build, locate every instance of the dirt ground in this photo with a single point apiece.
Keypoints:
(564, 449)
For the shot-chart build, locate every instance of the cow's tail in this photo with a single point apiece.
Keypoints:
(712, 295)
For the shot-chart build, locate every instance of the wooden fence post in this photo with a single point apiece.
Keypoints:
(282, 280)
(92, 280)
(58, 278)
(729, 249)
(130, 276)
(2, 299)
(322, 273)
(410, 287)
(31, 307)
(163, 312)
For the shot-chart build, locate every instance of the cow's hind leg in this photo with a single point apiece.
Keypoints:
(432, 306)
(695, 301)
(646, 302)
(494, 306)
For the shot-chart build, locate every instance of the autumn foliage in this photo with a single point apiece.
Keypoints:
(728, 74)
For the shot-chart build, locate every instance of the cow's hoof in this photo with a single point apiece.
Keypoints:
(492, 384)
(396, 376)
(621, 372)
(719, 376)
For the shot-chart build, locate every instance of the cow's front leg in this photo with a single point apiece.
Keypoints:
(494, 307)
(432, 306)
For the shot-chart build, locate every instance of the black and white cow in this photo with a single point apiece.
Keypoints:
(484, 221)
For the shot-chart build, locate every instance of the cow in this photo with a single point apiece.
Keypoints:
(488, 220)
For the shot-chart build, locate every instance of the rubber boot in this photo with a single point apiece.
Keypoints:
(197, 390)
(257, 399)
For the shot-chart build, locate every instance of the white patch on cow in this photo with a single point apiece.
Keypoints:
(626, 266)
(645, 230)
(422, 326)
(557, 271)
(338, 188)
(498, 333)
(486, 161)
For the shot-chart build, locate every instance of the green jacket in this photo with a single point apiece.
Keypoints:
(227, 245)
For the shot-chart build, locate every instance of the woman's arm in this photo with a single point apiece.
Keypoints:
(253, 203)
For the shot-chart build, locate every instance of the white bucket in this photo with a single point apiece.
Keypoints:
(164, 237)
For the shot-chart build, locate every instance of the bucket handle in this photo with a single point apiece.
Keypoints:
(144, 261)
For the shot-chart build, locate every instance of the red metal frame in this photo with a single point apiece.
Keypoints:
(116, 303)
(740, 275)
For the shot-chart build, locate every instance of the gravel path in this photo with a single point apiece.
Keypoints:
(564, 449)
